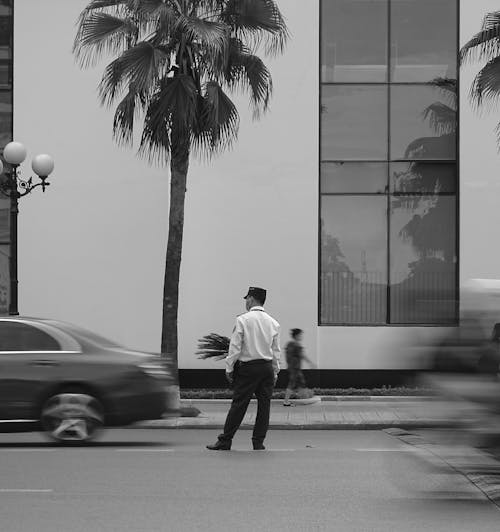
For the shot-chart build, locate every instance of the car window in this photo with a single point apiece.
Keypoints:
(82, 334)
(15, 336)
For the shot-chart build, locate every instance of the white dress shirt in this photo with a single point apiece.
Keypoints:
(256, 335)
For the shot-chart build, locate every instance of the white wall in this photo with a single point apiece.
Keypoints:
(479, 164)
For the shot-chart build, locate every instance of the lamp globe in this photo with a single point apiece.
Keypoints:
(14, 153)
(43, 165)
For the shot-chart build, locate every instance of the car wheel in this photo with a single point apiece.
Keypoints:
(72, 416)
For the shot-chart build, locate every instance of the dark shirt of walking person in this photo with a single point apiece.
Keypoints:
(252, 367)
(489, 361)
(294, 357)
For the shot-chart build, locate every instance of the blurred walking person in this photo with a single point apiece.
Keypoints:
(252, 366)
(294, 357)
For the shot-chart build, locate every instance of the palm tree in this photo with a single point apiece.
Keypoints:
(175, 62)
(485, 45)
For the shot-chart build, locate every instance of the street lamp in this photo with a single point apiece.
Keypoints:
(14, 188)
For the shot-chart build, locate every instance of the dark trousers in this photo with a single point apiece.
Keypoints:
(250, 378)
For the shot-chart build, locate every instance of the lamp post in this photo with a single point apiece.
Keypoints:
(14, 188)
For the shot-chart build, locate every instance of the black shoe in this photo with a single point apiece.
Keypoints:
(257, 446)
(220, 446)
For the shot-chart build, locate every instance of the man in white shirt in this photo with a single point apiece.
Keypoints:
(252, 366)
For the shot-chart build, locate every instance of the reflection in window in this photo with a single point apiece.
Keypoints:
(423, 122)
(353, 259)
(353, 177)
(422, 259)
(423, 177)
(354, 122)
(423, 40)
(354, 41)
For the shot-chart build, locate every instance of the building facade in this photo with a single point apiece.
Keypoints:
(6, 118)
(355, 201)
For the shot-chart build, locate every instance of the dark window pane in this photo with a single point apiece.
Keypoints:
(5, 45)
(354, 40)
(423, 177)
(423, 259)
(5, 118)
(15, 336)
(353, 122)
(423, 122)
(353, 259)
(423, 40)
(353, 177)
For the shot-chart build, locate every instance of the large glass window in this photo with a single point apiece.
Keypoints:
(388, 171)
(354, 44)
(353, 122)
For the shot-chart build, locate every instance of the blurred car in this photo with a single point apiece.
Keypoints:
(70, 382)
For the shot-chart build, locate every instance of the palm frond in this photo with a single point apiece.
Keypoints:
(447, 88)
(140, 66)
(170, 118)
(213, 35)
(101, 4)
(245, 71)
(442, 118)
(218, 122)
(159, 19)
(486, 43)
(257, 21)
(102, 34)
(486, 85)
(497, 132)
(126, 112)
(213, 346)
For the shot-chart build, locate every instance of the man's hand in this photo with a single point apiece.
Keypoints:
(275, 379)
(230, 377)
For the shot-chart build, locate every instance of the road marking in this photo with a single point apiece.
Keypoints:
(145, 450)
(8, 490)
(385, 450)
(21, 450)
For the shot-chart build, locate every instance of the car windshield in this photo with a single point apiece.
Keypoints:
(83, 334)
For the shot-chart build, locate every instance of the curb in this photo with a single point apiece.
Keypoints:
(327, 398)
(205, 423)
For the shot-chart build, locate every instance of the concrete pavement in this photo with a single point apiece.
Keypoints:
(330, 413)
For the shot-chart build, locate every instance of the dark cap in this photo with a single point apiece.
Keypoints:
(258, 293)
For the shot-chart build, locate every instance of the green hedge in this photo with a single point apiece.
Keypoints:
(280, 394)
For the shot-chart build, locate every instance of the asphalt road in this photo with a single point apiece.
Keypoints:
(165, 480)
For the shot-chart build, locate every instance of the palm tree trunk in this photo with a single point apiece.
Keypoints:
(178, 174)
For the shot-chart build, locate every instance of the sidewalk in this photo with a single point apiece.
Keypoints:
(340, 413)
